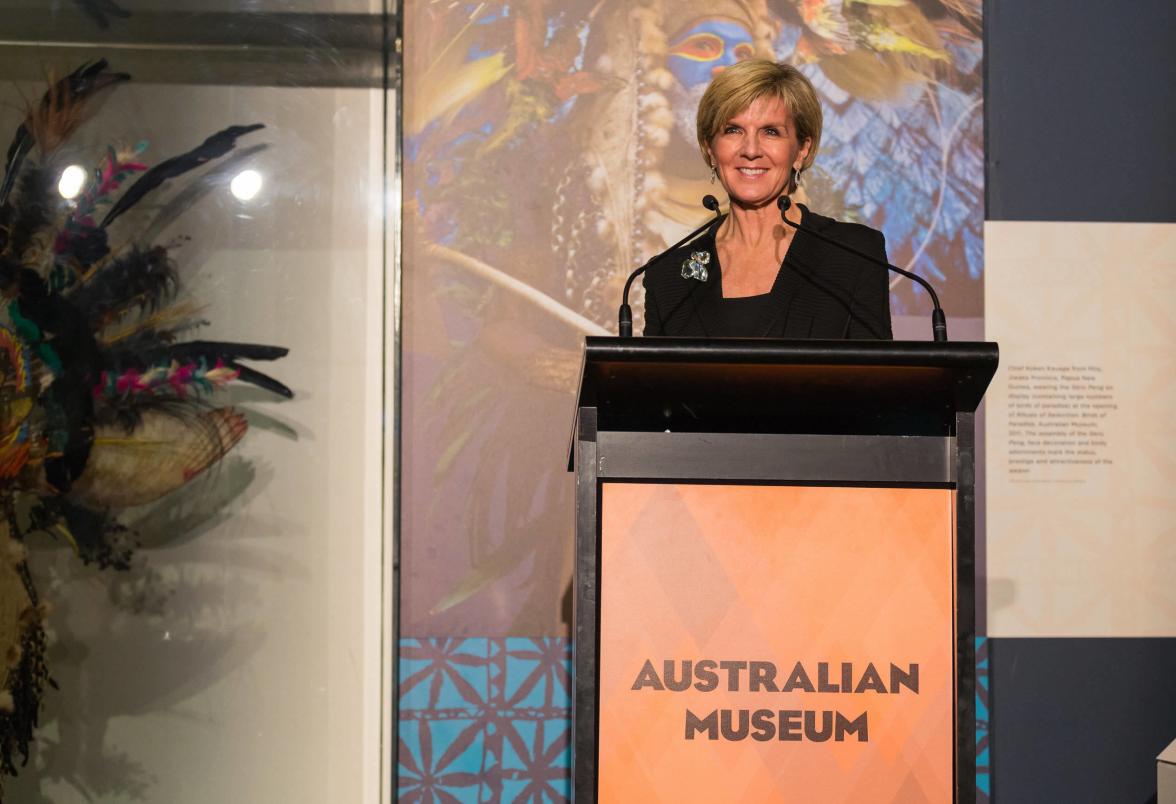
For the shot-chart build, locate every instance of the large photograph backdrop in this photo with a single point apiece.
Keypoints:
(549, 151)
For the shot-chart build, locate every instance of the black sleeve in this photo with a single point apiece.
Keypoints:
(870, 315)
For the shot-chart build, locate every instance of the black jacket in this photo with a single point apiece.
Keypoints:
(821, 291)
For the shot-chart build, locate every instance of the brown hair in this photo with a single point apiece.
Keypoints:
(741, 84)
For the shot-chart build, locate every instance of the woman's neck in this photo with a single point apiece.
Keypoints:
(752, 226)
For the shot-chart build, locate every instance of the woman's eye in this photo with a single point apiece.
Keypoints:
(731, 129)
(772, 132)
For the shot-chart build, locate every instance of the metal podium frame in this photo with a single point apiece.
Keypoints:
(775, 413)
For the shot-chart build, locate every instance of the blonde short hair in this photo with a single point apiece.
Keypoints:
(737, 87)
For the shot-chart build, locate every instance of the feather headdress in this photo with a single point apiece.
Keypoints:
(102, 404)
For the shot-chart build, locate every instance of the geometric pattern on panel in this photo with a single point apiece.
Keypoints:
(485, 720)
(983, 756)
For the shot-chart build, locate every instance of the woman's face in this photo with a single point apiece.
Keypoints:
(756, 151)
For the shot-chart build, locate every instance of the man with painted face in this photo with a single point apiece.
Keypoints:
(749, 274)
(706, 48)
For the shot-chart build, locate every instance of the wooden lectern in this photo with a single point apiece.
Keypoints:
(775, 571)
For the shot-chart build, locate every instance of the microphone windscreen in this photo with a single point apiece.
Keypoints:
(783, 202)
(710, 202)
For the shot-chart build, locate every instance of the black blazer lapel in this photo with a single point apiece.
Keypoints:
(794, 279)
(783, 324)
(687, 306)
(708, 295)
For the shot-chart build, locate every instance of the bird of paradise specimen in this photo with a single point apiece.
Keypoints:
(105, 401)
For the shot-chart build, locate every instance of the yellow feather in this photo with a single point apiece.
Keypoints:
(450, 82)
(59, 529)
(174, 315)
(448, 95)
(894, 42)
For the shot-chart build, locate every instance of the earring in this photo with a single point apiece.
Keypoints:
(795, 179)
(714, 172)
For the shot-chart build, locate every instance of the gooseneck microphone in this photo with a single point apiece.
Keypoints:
(938, 320)
(625, 315)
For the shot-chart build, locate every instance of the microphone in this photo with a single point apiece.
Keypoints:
(625, 314)
(938, 320)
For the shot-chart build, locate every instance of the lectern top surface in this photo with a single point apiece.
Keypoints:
(962, 354)
(762, 385)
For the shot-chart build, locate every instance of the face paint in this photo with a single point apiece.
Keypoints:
(707, 47)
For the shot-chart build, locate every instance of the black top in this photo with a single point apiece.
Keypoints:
(744, 316)
(821, 291)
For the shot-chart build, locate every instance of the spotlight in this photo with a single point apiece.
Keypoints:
(72, 180)
(245, 185)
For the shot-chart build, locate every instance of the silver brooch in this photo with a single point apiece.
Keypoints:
(695, 267)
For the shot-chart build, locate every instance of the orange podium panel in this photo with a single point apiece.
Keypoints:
(776, 643)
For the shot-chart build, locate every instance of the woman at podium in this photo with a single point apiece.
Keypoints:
(749, 274)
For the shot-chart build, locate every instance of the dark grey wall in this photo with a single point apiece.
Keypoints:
(1080, 114)
(1081, 110)
(1079, 720)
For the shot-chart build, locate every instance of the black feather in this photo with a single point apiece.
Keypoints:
(214, 179)
(17, 152)
(75, 86)
(67, 402)
(226, 351)
(138, 351)
(151, 348)
(35, 210)
(83, 81)
(142, 278)
(230, 354)
(254, 377)
(98, 9)
(100, 538)
(215, 146)
(81, 248)
(6, 213)
(9, 275)
(63, 327)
